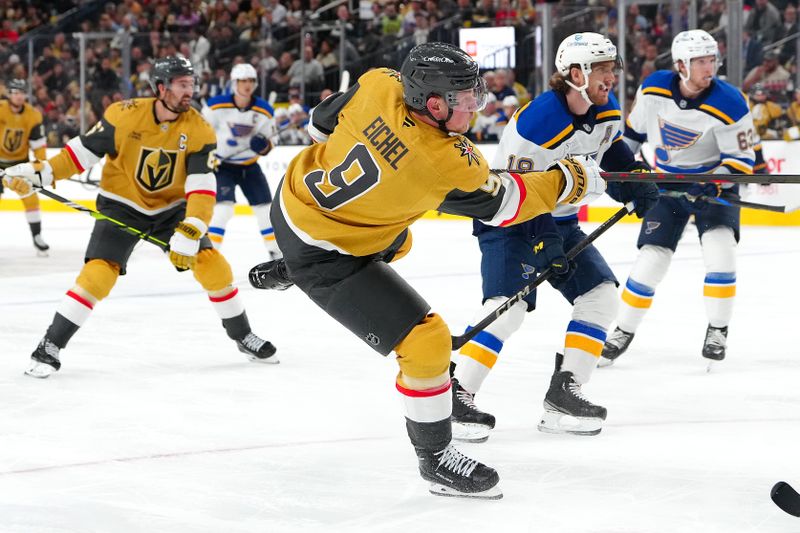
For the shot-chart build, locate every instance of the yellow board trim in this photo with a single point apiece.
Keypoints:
(719, 291)
(481, 355)
(636, 301)
(584, 344)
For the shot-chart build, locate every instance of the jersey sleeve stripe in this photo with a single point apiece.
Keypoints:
(200, 184)
(566, 131)
(222, 105)
(74, 158)
(714, 112)
(659, 91)
(522, 192)
(520, 110)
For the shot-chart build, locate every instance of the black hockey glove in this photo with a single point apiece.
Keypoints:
(260, 144)
(548, 252)
(691, 199)
(643, 195)
(272, 275)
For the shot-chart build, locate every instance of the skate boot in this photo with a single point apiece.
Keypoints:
(44, 360)
(566, 410)
(615, 345)
(41, 246)
(257, 349)
(271, 275)
(452, 473)
(470, 424)
(714, 345)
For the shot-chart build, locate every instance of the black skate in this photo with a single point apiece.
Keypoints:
(44, 360)
(271, 275)
(715, 343)
(257, 349)
(452, 473)
(564, 399)
(41, 246)
(615, 345)
(470, 424)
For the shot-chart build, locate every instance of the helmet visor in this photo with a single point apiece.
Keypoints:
(469, 100)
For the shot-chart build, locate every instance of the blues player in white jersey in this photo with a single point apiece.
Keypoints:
(244, 125)
(579, 116)
(696, 123)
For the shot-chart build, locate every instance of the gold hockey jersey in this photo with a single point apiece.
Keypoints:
(20, 132)
(380, 169)
(150, 165)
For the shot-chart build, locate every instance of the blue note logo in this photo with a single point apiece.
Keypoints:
(673, 137)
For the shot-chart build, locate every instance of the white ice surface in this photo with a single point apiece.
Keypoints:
(156, 423)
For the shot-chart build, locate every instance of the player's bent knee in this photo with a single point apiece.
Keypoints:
(719, 249)
(98, 277)
(599, 306)
(652, 264)
(507, 323)
(223, 212)
(425, 351)
(212, 270)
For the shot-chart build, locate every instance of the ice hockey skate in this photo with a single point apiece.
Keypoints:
(616, 345)
(470, 424)
(257, 349)
(566, 410)
(271, 275)
(453, 474)
(715, 344)
(44, 360)
(41, 246)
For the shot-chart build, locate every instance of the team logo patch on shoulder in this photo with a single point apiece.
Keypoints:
(156, 168)
(469, 151)
(394, 74)
(129, 104)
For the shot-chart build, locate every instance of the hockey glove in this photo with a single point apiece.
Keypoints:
(260, 144)
(272, 275)
(582, 180)
(643, 195)
(185, 243)
(20, 186)
(548, 252)
(691, 200)
(36, 174)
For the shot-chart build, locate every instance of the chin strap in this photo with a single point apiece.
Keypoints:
(442, 123)
(582, 88)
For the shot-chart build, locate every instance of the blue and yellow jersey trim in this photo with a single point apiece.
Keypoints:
(726, 103)
(544, 121)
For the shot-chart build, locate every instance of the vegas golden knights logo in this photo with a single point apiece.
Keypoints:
(12, 139)
(156, 168)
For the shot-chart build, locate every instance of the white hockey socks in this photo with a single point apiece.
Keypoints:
(719, 290)
(265, 228)
(223, 212)
(592, 315)
(478, 356)
(649, 270)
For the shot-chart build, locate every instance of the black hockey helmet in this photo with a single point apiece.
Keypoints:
(444, 70)
(164, 70)
(17, 84)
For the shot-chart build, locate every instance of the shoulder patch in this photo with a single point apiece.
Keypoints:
(467, 149)
(544, 121)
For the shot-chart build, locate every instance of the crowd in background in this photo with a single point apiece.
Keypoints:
(274, 34)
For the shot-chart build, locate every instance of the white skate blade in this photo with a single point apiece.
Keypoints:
(42, 253)
(39, 370)
(604, 362)
(560, 423)
(493, 493)
(271, 360)
(470, 432)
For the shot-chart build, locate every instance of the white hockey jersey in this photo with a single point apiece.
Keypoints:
(693, 135)
(544, 131)
(235, 127)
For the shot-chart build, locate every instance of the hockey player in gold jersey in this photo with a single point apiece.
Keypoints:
(388, 150)
(158, 177)
(21, 130)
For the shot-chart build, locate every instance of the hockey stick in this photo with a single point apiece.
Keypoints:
(668, 177)
(786, 498)
(460, 340)
(344, 83)
(100, 216)
(726, 201)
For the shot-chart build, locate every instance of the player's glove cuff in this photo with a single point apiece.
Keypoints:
(582, 180)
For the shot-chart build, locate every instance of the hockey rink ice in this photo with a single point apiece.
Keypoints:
(156, 423)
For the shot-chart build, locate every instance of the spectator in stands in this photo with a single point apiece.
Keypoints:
(484, 14)
(510, 106)
(326, 57)
(789, 28)
(768, 117)
(500, 86)
(505, 15)
(391, 21)
(752, 51)
(58, 80)
(309, 71)
(485, 127)
(280, 76)
(7, 32)
(711, 16)
(771, 75)
(764, 22)
(526, 13)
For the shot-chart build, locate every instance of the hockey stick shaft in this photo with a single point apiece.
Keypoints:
(460, 340)
(668, 177)
(728, 201)
(786, 498)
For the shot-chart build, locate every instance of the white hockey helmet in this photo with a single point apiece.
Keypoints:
(690, 44)
(242, 71)
(584, 49)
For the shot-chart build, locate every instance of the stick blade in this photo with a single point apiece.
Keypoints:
(786, 498)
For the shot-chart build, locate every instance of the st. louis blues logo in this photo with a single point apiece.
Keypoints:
(651, 227)
(469, 151)
(527, 271)
(673, 137)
